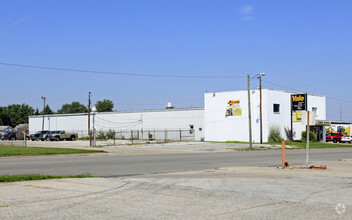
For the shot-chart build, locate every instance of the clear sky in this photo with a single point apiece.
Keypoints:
(302, 45)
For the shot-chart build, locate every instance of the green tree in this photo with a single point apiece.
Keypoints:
(16, 114)
(74, 107)
(104, 106)
(36, 112)
(47, 111)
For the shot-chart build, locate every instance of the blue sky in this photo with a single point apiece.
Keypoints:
(303, 45)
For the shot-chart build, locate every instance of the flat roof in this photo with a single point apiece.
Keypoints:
(276, 90)
(121, 112)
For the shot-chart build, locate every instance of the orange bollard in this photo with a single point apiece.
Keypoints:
(318, 167)
(283, 154)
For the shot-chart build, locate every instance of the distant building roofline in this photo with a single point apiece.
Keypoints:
(266, 89)
(120, 112)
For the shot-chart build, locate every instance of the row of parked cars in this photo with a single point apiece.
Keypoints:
(338, 137)
(53, 136)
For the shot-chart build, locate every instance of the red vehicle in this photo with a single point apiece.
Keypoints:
(334, 137)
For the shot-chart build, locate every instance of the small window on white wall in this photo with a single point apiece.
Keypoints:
(314, 109)
(276, 108)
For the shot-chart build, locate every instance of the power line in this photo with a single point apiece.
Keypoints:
(118, 73)
(296, 90)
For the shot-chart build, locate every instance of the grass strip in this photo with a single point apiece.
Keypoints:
(25, 177)
(33, 151)
(317, 145)
(297, 144)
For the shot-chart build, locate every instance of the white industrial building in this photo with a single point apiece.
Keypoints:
(211, 123)
(276, 111)
(187, 123)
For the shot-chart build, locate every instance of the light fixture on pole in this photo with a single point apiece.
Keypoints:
(249, 106)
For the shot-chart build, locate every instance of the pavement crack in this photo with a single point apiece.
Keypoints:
(79, 196)
(317, 192)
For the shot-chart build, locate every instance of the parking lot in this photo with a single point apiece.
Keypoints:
(222, 193)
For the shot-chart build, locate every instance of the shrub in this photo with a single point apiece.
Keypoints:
(84, 138)
(150, 136)
(274, 134)
(101, 135)
(110, 134)
(312, 136)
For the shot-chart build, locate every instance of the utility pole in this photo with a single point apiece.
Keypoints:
(307, 137)
(43, 112)
(90, 137)
(261, 120)
(249, 111)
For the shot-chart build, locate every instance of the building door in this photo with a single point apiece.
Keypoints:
(318, 130)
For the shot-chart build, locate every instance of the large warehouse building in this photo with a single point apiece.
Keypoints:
(173, 124)
(223, 118)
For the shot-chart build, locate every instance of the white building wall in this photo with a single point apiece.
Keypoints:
(218, 127)
(172, 119)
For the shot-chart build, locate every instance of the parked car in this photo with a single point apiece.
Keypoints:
(347, 138)
(4, 135)
(334, 137)
(45, 136)
(62, 135)
(35, 137)
(8, 136)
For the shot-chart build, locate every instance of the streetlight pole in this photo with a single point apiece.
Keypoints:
(90, 136)
(94, 110)
(261, 120)
(43, 112)
(249, 111)
(249, 107)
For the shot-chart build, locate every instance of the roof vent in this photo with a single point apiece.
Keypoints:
(169, 105)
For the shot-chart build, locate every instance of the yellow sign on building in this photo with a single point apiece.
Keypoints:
(233, 112)
(237, 111)
(297, 116)
(233, 102)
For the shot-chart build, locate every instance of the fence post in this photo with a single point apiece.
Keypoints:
(24, 138)
(95, 137)
(132, 136)
(165, 135)
(142, 133)
(180, 135)
(154, 134)
(114, 136)
(137, 134)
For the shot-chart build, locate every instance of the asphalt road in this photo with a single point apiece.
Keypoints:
(107, 165)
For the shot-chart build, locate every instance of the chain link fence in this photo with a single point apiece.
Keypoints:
(131, 136)
(145, 136)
